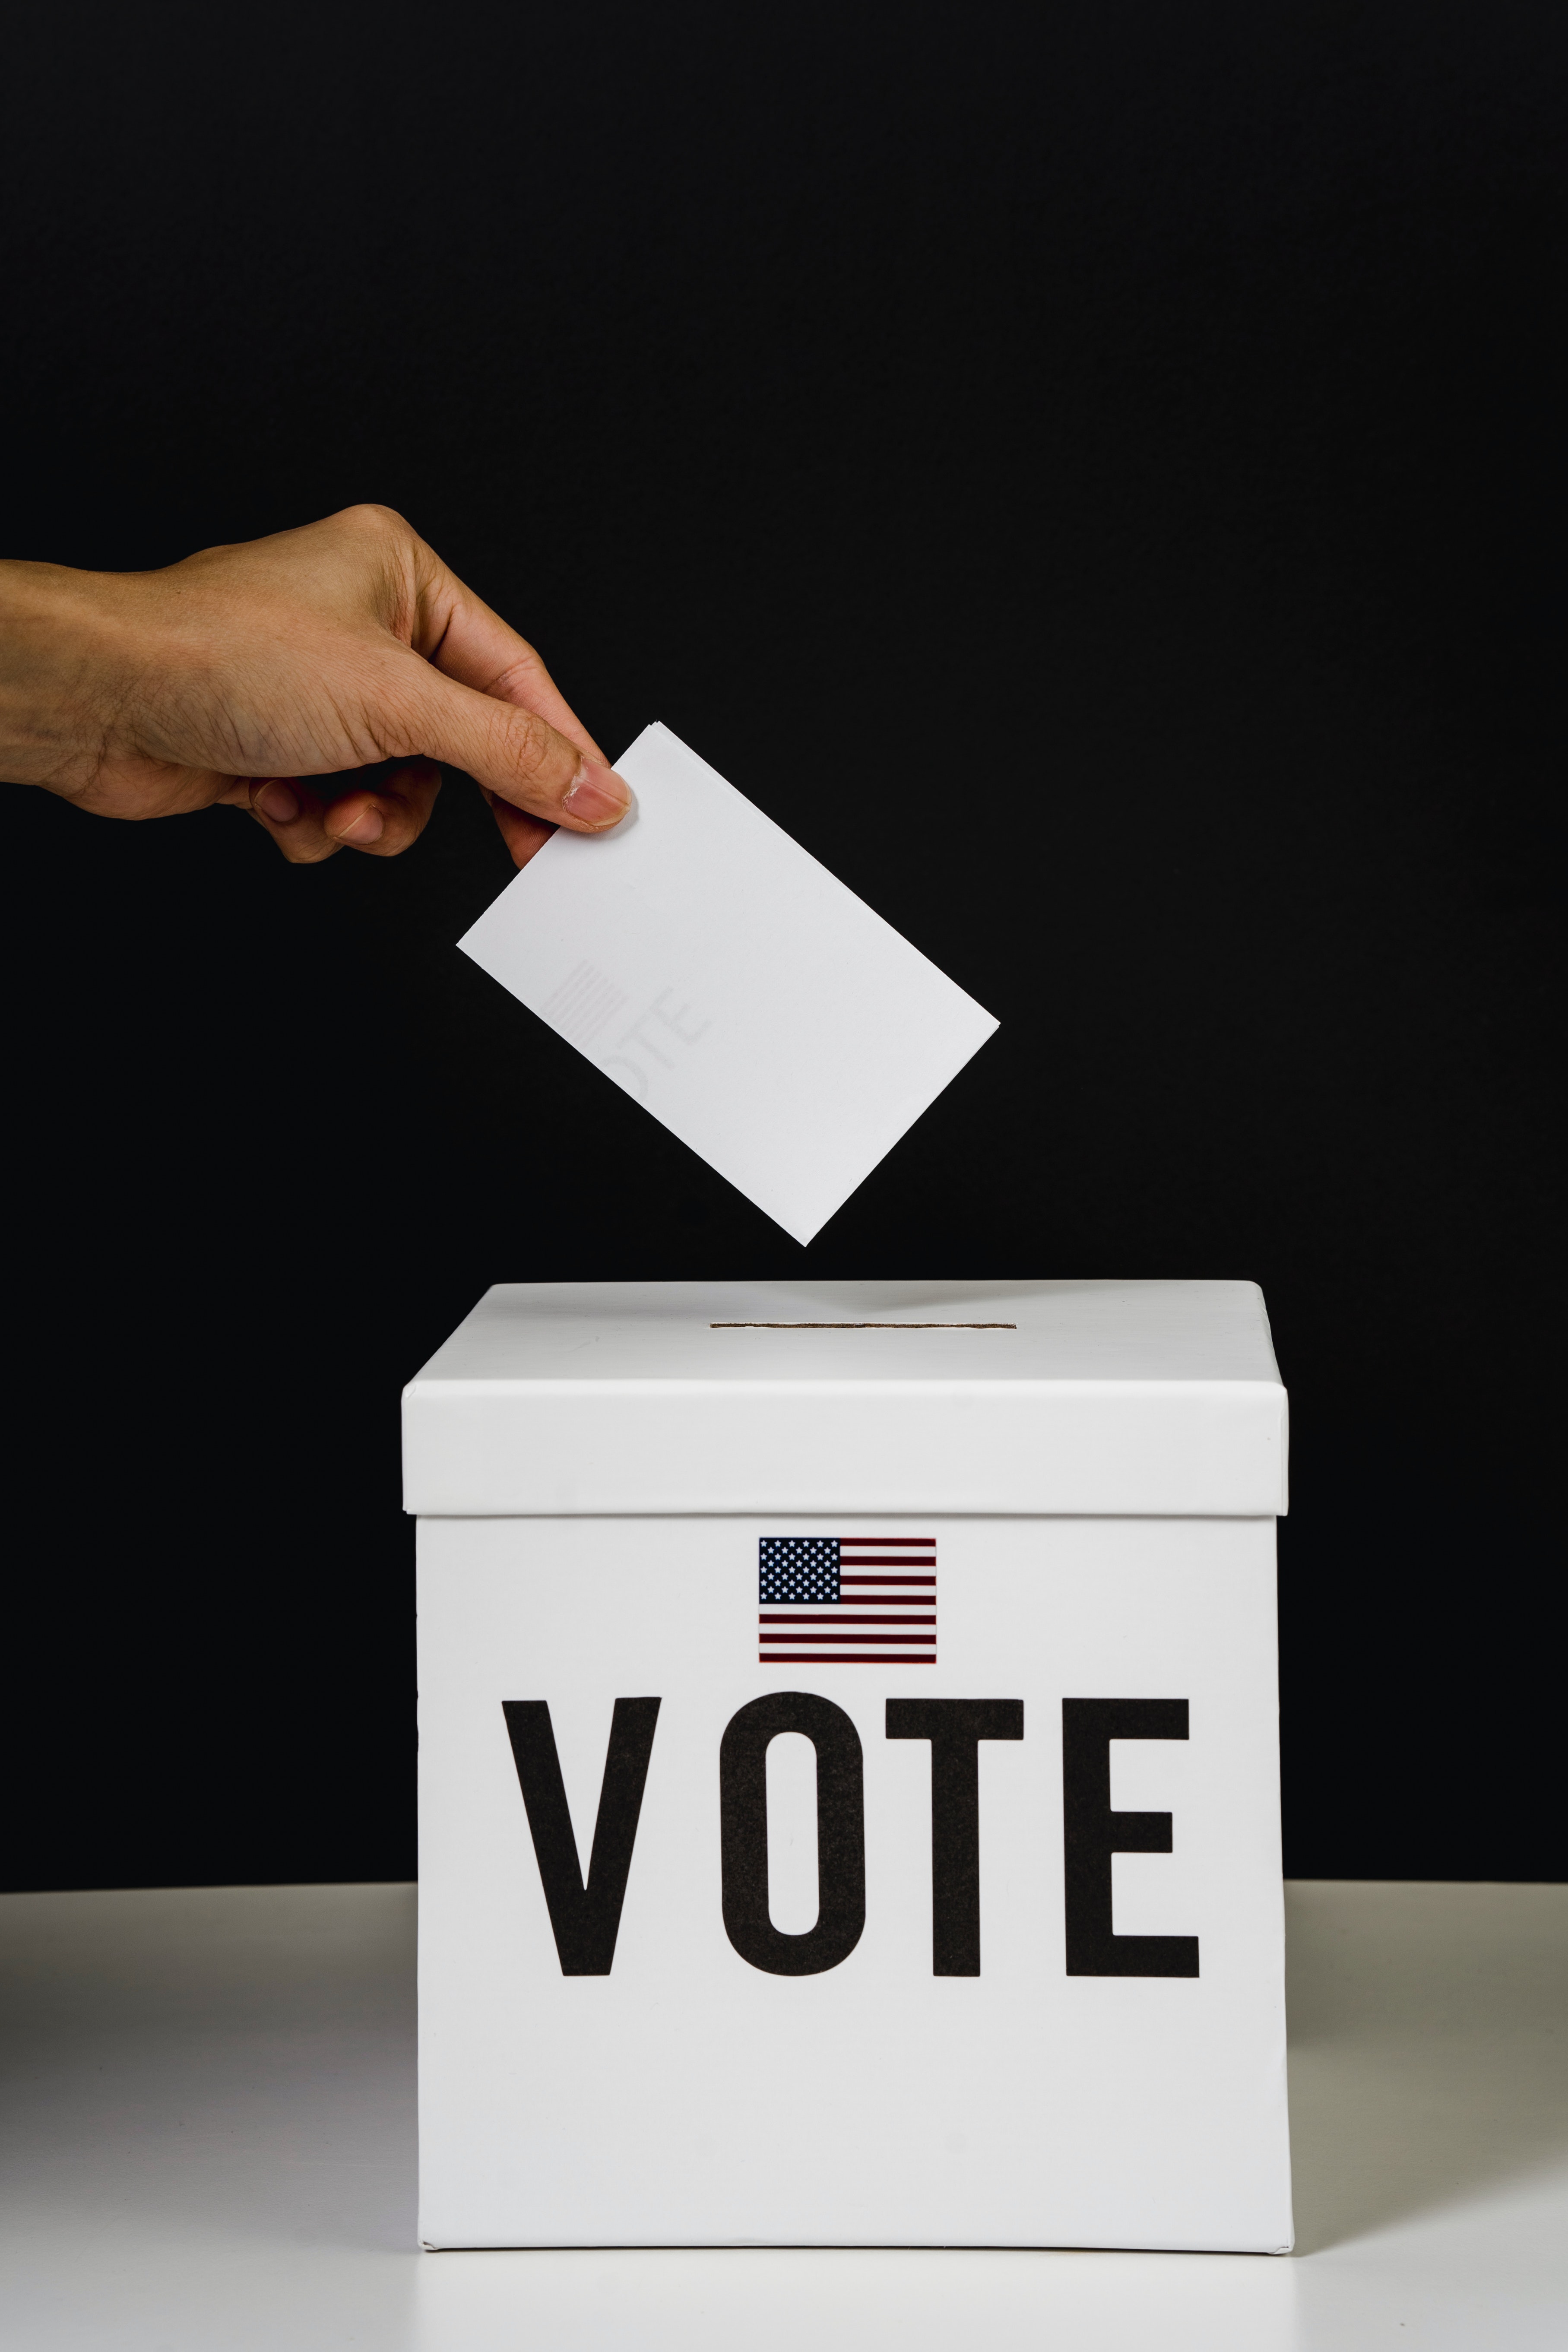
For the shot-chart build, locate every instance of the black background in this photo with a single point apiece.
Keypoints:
(1080, 468)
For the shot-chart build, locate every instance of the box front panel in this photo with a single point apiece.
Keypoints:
(998, 1963)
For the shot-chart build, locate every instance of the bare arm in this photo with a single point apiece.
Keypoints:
(233, 678)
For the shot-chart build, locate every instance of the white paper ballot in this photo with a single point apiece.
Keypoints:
(761, 1011)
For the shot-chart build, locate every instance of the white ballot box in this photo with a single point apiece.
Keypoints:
(850, 1766)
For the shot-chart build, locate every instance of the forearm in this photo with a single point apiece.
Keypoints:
(68, 653)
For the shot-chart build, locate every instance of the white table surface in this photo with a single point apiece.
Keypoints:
(207, 2140)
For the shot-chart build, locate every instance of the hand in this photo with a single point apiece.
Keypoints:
(231, 678)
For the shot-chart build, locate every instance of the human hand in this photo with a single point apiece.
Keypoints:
(233, 678)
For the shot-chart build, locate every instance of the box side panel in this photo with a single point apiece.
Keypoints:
(692, 2096)
(496, 1448)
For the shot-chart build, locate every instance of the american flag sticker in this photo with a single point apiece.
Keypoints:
(846, 1600)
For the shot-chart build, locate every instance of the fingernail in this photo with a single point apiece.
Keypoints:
(596, 796)
(277, 805)
(368, 826)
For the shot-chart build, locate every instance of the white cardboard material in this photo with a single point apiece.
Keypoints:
(1128, 1396)
(733, 985)
(696, 2089)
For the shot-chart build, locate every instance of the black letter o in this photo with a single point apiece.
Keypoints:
(840, 1834)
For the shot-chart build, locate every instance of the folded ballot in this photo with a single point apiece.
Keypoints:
(711, 967)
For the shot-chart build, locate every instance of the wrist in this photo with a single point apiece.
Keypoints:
(67, 655)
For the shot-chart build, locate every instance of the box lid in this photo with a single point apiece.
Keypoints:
(1078, 1398)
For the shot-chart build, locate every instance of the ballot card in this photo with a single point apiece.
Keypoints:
(730, 984)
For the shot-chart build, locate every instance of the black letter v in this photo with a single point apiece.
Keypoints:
(586, 1919)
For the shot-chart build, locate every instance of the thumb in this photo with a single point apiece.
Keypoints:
(519, 756)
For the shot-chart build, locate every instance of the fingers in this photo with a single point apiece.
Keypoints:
(386, 819)
(524, 762)
(382, 819)
(287, 808)
(453, 682)
(519, 756)
(457, 631)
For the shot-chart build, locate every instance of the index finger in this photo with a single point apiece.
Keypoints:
(458, 631)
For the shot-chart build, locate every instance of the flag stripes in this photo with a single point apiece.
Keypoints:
(846, 1600)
